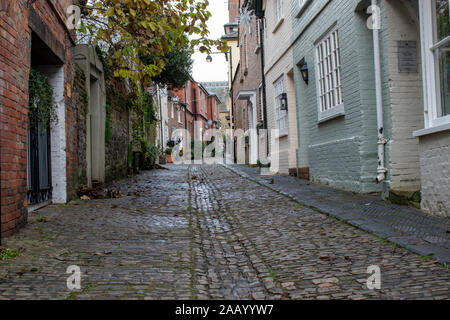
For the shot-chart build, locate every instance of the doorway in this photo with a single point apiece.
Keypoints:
(46, 157)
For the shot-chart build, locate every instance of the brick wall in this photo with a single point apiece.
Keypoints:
(279, 64)
(435, 174)
(81, 99)
(15, 53)
(116, 148)
(233, 9)
(342, 151)
(403, 98)
(248, 77)
(184, 95)
(173, 123)
(14, 70)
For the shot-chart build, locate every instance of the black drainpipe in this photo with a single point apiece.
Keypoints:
(261, 37)
(231, 89)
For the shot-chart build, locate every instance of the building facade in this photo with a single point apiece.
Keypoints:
(279, 77)
(37, 164)
(434, 137)
(247, 87)
(346, 85)
(220, 89)
(194, 109)
(363, 76)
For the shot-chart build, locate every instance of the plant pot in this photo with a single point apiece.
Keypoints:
(169, 158)
(162, 160)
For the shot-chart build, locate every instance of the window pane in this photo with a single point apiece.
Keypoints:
(442, 16)
(444, 72)
(329, 72)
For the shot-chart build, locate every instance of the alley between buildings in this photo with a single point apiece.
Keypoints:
(202, 232)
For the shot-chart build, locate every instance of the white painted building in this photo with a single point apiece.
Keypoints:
(280, 83)
(162, 133)
(434, 138)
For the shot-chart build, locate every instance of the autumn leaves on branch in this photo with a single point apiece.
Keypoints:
(132, 29)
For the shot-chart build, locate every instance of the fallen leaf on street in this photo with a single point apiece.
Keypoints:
(22, 271)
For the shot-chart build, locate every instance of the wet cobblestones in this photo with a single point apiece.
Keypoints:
(204, 232)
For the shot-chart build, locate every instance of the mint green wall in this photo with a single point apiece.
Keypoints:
(343, 151)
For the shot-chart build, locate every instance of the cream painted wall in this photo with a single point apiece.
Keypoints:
(279, 62)
(406, 101)
(235, 58)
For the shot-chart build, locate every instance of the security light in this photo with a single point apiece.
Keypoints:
(304, 71)
(284, 101)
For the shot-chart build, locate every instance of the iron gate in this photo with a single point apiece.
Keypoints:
(39, 169)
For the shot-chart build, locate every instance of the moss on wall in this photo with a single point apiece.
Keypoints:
(81, 98)
(116, 134)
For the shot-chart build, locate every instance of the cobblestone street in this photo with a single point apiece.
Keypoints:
(204, 232)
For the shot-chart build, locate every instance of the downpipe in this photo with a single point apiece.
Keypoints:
(381, 170)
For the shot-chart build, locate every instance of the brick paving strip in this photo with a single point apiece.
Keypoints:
(204, 232)
(408, 227)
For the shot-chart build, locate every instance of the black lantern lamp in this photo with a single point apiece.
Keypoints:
(284, 101)
(209, 58)
(304, 71)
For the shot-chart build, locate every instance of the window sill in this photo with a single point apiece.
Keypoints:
(283, 134)
(302, 9)
(279, 23)
(431, 130)
(332, 113)
(258, 47)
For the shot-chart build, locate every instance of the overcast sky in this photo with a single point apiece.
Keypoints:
(217, 69)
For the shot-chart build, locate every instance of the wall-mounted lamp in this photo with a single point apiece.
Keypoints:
(209, 58)
(284, 101)
(304, 71)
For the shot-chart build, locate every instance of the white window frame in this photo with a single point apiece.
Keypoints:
(278, 10)
(302, 4)
(179, 115)
(434, 121)
(328, 68)
(281, 116)
(171, 110)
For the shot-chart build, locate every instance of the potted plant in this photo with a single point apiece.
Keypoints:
(168, 153)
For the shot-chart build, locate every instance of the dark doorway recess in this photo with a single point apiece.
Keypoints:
(39, 175)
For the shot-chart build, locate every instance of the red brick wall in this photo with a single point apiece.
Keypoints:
(15, 45)
(173, 122)
(14, 70)
(233, 9)
(253, 79)
(71, 129)
(209, 107)
(199, 102)
(183, 95)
